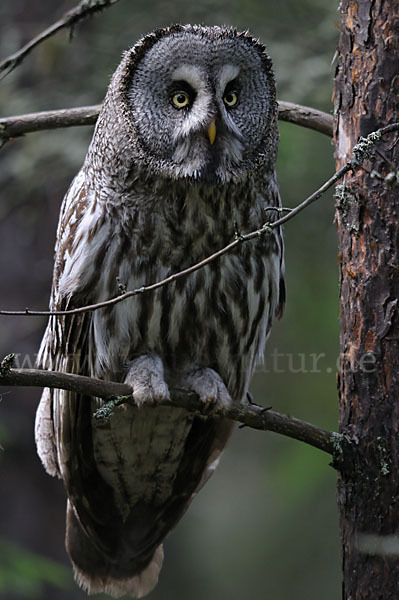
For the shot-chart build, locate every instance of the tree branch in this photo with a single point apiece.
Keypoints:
(306, 117)
(360, 152)
(12, 127)
(250, 415)
(82, 10)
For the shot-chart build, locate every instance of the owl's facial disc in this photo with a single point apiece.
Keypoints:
(200, 107)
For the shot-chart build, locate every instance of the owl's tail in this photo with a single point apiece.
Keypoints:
(95, 576)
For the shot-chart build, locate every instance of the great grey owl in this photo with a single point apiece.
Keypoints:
(182, 159)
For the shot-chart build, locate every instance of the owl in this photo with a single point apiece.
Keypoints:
(181, 161)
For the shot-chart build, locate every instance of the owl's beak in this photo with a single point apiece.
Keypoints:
(212, 131)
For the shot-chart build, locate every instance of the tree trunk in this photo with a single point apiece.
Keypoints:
(367, 215)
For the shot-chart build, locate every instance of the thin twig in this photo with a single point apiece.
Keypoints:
(265, 229)
(360, 151)
(81, 11)
(12, 127)
(251, 415)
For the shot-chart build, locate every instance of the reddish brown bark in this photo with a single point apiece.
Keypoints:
(367, 215)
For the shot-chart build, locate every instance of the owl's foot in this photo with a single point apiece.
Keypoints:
(208, 385)
(146, 377)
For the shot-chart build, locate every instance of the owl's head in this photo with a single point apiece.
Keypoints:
(199, 103)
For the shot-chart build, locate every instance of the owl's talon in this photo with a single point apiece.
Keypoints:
(146, 379)
(208, 385)
(208, 405)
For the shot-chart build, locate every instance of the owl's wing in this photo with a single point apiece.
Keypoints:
(63, 341)
(63, 428)
(274, 199)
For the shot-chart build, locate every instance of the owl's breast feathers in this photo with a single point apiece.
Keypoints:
(129, 480)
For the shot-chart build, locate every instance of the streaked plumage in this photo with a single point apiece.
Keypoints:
(154, 196)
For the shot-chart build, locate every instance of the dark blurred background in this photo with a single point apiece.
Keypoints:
(265, 526)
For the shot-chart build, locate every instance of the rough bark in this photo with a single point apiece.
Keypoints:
(367, 216)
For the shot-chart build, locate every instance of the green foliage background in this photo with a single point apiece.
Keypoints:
(265, 526)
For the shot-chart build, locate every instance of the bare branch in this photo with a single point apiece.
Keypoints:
(250, 415)
(84, 9)
(306, 117)
(12, 127)
(360, 152)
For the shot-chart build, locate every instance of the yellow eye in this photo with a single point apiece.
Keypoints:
(180, 99)
(230, 99)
